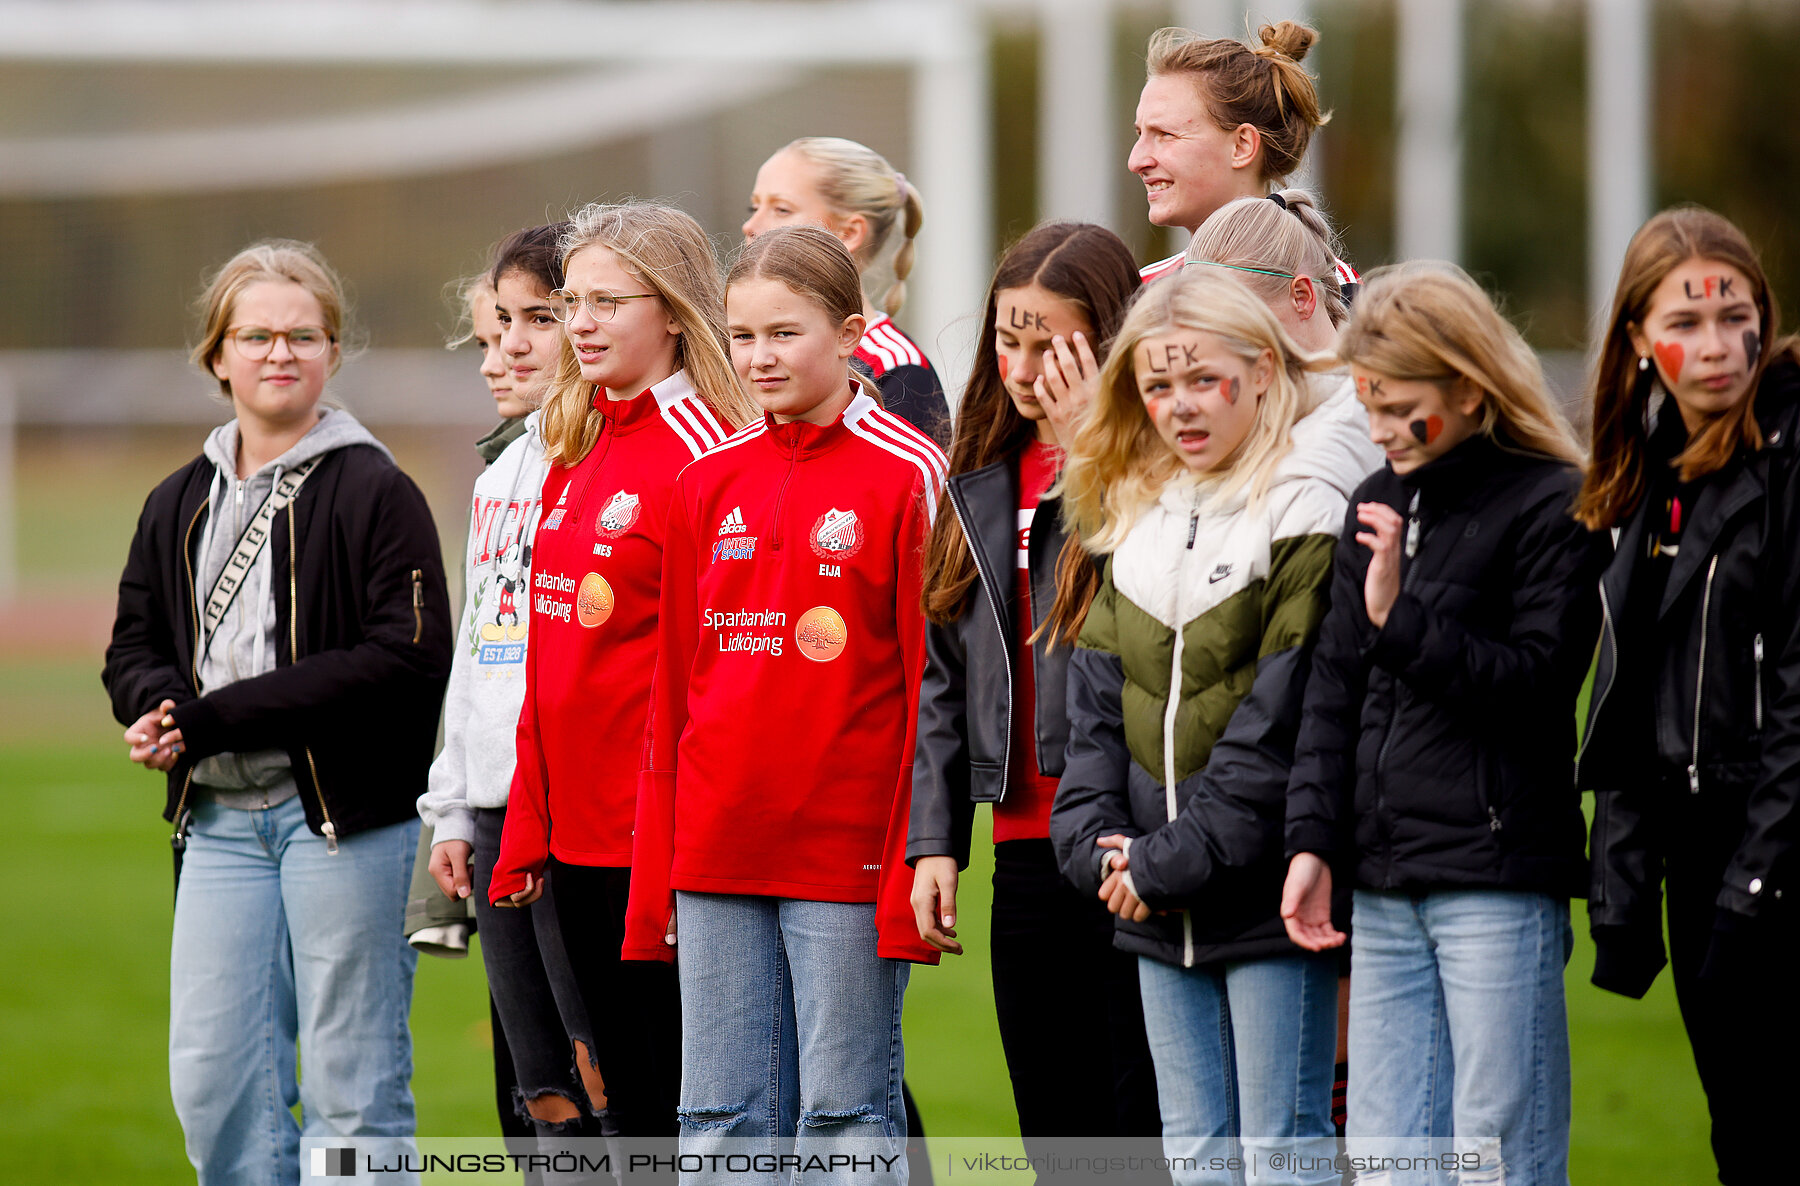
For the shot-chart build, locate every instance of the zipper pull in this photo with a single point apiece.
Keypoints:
(1193, 527)
(330, 830)
(1412, 525)
(1494, 824)
(1693, 780)
(418, 576)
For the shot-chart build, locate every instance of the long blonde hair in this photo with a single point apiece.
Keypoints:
(1117, 464)
(855, 179)
(1427, 320)
(667, 250)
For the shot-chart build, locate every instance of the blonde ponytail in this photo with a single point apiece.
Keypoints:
(855, 179)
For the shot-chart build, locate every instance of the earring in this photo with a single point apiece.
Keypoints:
(1643, 362)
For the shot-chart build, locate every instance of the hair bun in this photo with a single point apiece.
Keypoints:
(1290, 39)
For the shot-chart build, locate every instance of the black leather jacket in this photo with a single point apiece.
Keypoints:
(1719, 682)
(966, 700)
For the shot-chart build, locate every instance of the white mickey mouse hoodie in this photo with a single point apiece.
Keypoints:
(487, 672)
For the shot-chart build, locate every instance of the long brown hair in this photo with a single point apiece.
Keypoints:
(1265, 87)
(668, 251)
(1092, 269)
(1615, 480)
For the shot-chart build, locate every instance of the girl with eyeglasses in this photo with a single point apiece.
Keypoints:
(852, 191)
(642, 388)
(279, 653)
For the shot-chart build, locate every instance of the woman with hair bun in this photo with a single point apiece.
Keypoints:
(280, 652)
(1219, 120)
(852, 191)
(1693, 731)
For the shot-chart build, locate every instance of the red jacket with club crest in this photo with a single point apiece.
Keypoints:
(779, 753)
(595, 572)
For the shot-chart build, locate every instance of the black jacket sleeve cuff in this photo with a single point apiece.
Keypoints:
(1397, 643)
(1626, 959)
(201, 728)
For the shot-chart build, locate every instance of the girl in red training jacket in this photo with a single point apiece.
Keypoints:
(772, 823)
(643, 388)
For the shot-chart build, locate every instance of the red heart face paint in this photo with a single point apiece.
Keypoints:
(1005, 367)
(1428, 430)
(1670, 356)
(1233, 388)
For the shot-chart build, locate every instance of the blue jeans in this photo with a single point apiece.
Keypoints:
(790, 1037)
(277, 942)
(1245, 1057)
(1458, 1033)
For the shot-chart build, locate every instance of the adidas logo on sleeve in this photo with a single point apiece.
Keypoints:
(733, 524)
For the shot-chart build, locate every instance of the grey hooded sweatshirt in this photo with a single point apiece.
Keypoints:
(244, 644)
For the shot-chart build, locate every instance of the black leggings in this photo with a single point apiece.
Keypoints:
(630, 1009)
(1744, 1025)
(1071, 1019)
(522, 952)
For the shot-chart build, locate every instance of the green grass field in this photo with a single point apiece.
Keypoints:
(83, 1015)
(84, 1009)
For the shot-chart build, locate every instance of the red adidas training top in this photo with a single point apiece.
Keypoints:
(779, 753)
(595, 573)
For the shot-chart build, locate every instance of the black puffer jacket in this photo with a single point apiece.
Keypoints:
(964, 749)
(1436, 752)
(1719, 682)
(365, 619)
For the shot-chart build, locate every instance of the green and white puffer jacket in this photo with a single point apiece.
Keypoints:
(1185, 691)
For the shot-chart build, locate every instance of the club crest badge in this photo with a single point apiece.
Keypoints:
(838, 535)
(617, 516)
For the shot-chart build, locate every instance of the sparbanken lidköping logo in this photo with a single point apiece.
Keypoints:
(821, 634)
(594, 601)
